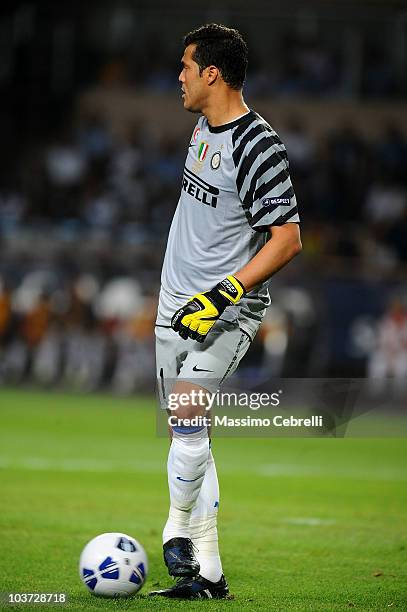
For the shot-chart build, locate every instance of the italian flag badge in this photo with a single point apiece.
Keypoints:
(203, 149)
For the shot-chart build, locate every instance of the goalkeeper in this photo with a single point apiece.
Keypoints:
(235, 226)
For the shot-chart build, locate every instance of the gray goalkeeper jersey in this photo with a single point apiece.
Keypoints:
(235, 185)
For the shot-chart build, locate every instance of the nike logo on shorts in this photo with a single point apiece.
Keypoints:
(195, 369)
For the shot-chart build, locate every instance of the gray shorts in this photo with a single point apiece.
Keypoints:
(206, 364)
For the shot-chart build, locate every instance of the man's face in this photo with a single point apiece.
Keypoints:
(193, 85)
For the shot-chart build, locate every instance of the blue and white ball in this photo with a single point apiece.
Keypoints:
(113, 565)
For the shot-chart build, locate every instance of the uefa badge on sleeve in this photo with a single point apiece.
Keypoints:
(215, 160)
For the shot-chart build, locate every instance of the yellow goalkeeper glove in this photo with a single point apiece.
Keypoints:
(200, 313)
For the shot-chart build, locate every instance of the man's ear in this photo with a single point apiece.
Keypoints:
(212, 74)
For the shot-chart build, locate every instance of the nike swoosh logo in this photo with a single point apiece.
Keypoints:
(195, 369)
(184, 480)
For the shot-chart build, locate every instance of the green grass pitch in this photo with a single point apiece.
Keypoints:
(305, 524)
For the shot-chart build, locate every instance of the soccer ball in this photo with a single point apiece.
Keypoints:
(113, 565)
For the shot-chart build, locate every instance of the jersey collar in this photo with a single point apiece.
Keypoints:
(229, 126)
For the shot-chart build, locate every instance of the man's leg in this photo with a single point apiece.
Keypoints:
(186, 466)
(216, 359)
(203, 525)
(210, 583)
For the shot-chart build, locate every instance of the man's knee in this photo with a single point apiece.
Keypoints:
(187, 407)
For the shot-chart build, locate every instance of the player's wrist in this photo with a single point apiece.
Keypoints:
(240, 285)
(231, 289)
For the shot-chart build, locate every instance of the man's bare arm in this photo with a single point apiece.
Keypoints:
(284, 244)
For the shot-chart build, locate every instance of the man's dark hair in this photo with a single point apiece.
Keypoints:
(217, 45)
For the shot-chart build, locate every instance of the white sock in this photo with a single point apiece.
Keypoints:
(203, 530)
(187, 460)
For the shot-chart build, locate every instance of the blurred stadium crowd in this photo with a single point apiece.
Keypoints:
(85, 212)
(82, 181)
